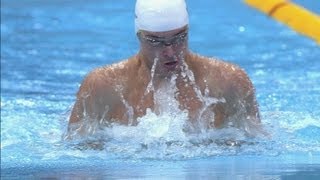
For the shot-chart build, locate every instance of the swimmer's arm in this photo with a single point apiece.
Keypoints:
(77, 112)
(252, 107)
(246, 98)
(249, 98)
(252, 124)
(93, 99)
(239, 94)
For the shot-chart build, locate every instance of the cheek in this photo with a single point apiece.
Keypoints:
(180, 47)
(151, 54)
(177, 50)
(183, 46)
(147, 51)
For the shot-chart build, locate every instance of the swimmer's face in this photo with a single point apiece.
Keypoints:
(169, 47)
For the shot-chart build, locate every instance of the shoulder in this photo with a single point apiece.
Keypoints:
(217, 66)
(106, 78)
(222, 73)
(110, 73)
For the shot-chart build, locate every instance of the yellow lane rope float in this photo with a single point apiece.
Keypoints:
(293, 15)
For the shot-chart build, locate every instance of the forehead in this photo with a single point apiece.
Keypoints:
(165, 33)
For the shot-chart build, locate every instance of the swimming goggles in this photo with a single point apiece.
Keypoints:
(161, 42)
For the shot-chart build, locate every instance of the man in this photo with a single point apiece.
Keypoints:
(165, 76)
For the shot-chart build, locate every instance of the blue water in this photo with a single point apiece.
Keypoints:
(47, 48)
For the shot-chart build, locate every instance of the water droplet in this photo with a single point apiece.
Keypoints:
(241, 28)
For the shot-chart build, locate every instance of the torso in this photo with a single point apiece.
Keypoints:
(209, 82)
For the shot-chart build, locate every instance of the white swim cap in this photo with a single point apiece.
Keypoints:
(160, 15)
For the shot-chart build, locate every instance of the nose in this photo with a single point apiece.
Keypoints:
(168, 50)
(165, 43)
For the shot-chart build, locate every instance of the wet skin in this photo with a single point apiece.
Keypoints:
(119, 92)
(170, 48)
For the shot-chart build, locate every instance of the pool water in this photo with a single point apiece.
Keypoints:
(47, 48)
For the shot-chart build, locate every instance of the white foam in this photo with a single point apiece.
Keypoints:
(150, 86)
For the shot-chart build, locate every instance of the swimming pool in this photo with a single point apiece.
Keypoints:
(47, 47)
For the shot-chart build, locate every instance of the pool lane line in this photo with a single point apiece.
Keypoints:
(291, 14)
(276, 7)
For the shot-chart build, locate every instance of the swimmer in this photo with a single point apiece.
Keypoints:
(123, 92)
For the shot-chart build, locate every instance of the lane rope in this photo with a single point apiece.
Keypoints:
(291, 14)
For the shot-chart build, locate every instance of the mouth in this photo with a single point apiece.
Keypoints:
(171, 64)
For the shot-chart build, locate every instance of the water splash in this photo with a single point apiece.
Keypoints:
(163, 137)
(164, 132)
(150, 86)
(129, 108)
(204, 98)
